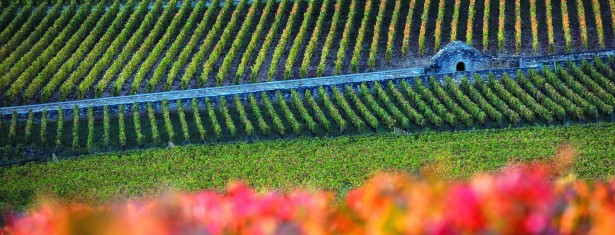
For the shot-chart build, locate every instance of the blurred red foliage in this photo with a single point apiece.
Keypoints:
(520, 199)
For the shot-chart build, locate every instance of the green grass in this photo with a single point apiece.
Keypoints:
(337, 164)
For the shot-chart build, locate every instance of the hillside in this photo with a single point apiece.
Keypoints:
(572, 93)
(66, 52)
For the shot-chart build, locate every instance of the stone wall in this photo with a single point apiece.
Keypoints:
(270, 88)
(447, 59)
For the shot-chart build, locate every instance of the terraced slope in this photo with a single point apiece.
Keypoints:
(64, 52)
(572, 93)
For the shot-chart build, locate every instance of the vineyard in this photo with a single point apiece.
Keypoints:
(57, 52)
(106, 101)
(568, 93)
(334, 164)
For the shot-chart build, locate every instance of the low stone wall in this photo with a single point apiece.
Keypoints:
(271, 88)
(213, 93)
(243, 91)
(533, 61)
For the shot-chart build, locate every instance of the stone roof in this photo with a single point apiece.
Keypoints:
(455, 52)
(456, 47)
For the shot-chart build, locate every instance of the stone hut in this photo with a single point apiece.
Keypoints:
(457, 57)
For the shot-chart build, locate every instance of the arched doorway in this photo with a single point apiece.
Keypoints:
(461, 67)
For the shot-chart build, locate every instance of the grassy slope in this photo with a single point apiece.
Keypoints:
(337, 164)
